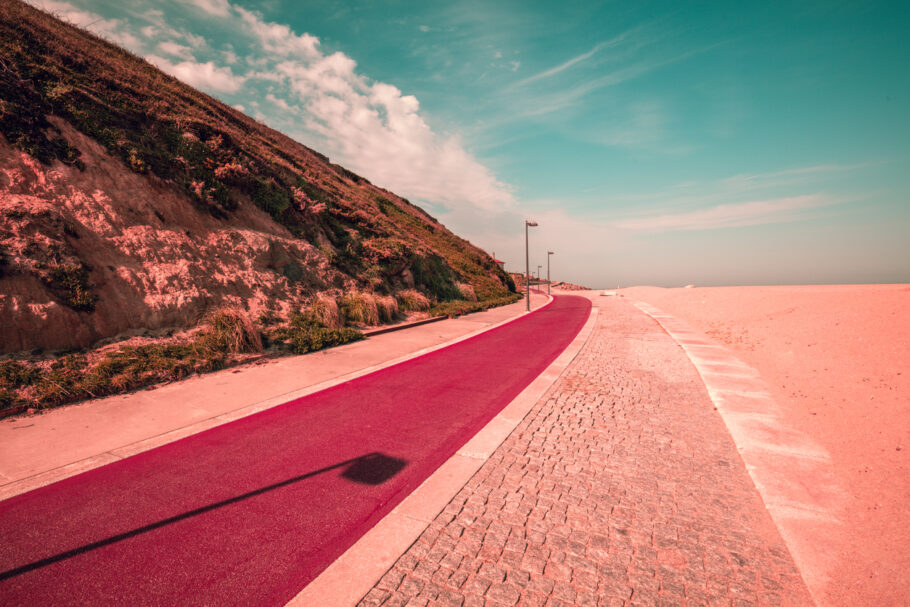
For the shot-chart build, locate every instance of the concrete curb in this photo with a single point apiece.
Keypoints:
(101, 459)
(793, 473)
(356, 571)
(405, 325)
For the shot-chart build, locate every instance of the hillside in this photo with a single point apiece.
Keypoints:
(132, 202)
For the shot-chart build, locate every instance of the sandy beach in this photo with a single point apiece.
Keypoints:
(836, 358)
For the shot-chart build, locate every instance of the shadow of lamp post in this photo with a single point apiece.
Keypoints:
(370, 469)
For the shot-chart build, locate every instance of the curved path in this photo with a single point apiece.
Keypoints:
(250, 512)
(621, 486)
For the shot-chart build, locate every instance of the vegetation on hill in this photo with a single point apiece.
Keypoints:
(219, 157)
(335, 252)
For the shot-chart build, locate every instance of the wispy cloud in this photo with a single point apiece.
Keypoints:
(575, 60)
(559, 68)
(643, 126)
(562, 98)
(787, 176)
(730, 215)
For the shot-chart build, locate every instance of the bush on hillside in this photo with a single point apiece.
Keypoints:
(306, 330)
(412, 300)
(324, 309)
(467, 291)
(230, 330)
(359, 308)
(456, 308)
(387, 308)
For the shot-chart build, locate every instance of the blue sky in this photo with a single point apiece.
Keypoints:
(655, 143)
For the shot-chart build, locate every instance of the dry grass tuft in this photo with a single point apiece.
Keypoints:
(412, 300)
(230, 330)
(387, 307)
(359, 308)
(324, 310)
(467, 291)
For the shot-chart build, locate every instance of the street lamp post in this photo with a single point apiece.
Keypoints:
(528, 224)
(548, 271)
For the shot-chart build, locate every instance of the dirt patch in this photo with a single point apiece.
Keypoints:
(95, 253)
(836, 359)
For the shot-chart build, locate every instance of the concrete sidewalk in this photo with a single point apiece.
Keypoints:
(622, 486)
(40, 449)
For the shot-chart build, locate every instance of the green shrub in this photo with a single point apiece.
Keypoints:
(305, 332)
(71, 282)
(434, 276)
(456, 308)
(14, 374)
(130, 367)
(9, 399)
(359, 308)
(301, 340)
(412, 300)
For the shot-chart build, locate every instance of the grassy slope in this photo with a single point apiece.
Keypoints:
(219, 157)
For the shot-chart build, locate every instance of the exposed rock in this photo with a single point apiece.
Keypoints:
(152, 259)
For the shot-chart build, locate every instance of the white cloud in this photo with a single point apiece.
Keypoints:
(729, 215)
(230, 56)
(378, 131)
(161, 28)
(206, 76)
(281, 103)
(176, 49)
(370, 127)
(219, 8)
(278, 38)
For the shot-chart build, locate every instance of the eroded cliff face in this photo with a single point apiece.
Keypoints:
(87, 255)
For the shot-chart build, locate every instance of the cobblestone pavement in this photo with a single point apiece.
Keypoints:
(621, 487)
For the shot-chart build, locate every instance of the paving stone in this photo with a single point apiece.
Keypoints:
(507, 594)
(564, 592)
(476, 586)
(621, 487)
(375, 597)
(449, 599)
(541, 584)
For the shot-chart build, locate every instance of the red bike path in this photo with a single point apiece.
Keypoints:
(252, 511)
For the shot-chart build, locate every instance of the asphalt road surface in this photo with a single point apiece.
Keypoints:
(251, 511)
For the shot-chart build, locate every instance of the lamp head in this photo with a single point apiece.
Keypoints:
(532, 224)
(549, 252)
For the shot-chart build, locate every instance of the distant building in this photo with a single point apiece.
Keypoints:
(499, 262)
